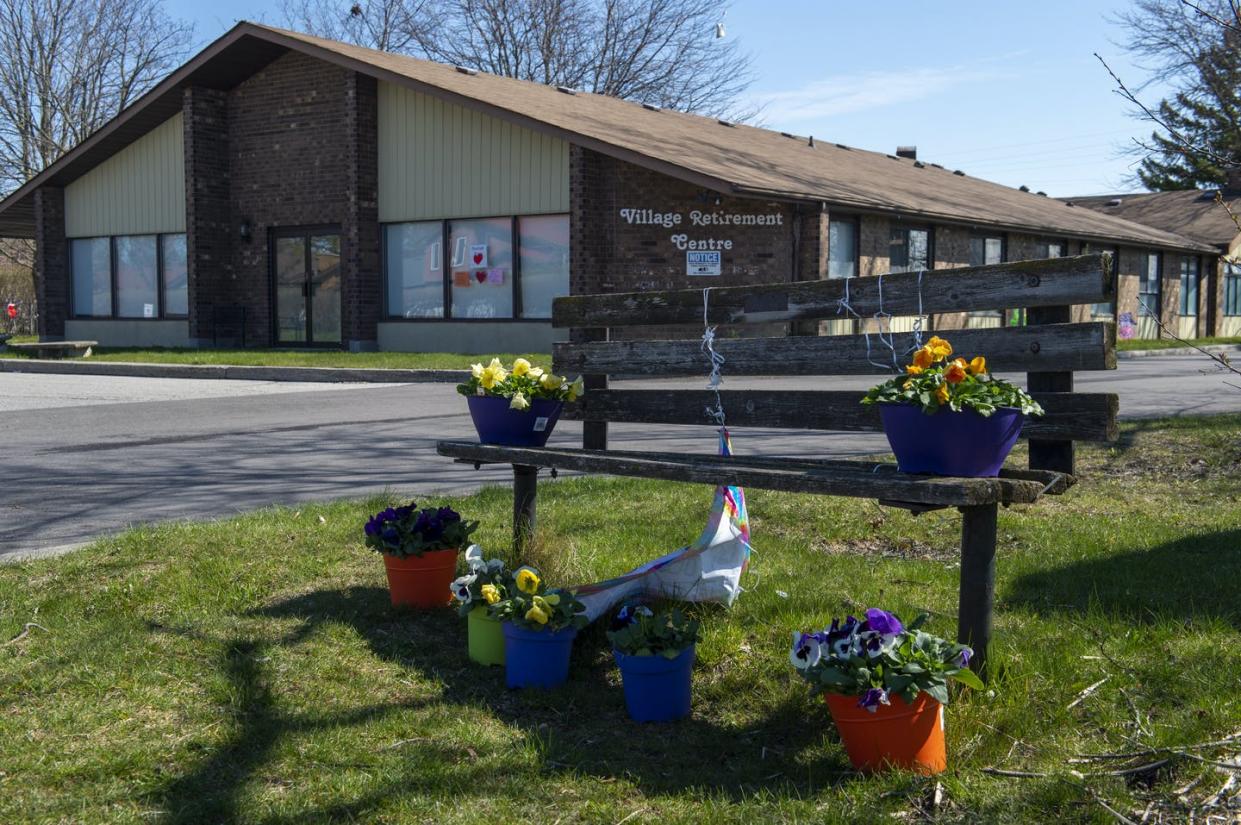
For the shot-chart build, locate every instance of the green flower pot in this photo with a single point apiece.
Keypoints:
(486, 638)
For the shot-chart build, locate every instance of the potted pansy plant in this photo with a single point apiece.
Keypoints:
(540, 624)
(420, 550)
(949, 416)
(517, 406)
(487, 583)
(655, 653)
(885, 684)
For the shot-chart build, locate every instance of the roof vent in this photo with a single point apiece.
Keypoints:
(938, 165)
(958, 172)
(723, 122)
(567, 90)
(789, 135)
(466, 70)
(1113, 202)
(1069, 203)
(1023, 188)
(910, 152)
(652, 107)
(919, 164)
(1041, 192)
(842, 146)
(810, 142)
(893, 157)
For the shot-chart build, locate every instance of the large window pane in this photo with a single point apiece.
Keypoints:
(414, 257)
(176, 294)
(841, 249)
(986, 250)
(544, 263)
(1232, 289)
(909, 249)
(482, 268)
(92, 277)
(1148, 285)
(137, 294)
(1189, 287)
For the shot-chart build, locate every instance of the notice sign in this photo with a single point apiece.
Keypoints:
(702, 263)
(148, 310)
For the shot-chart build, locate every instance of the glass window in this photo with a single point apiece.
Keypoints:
(174, 276)
(909, 250)
(1232, 289)
(481, 268)
(1148, 285)
(1055, 249)
(1189, 286)
(92, 276)
(137, 290)
(986, 249)
(414, 259)
(841, 248)
(544, 262)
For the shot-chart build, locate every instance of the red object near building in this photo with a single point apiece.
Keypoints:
(12, 310)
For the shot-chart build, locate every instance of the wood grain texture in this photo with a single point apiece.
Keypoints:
(1076, 416)
(1052, 348)
(856, 479)
(1083, 279)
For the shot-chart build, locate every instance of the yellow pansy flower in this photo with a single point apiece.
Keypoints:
(491, 593)
(550, 382)
(913, 369)
(978, 366)
(923, 358)
(552, 598)
(519, 402)
(939, 348)
(527, 580)
(536, 373)
(536, 615)
(477, 369)
(576, 389)
(521, 366)
(942, 393)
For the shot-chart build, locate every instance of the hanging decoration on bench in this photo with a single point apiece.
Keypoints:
(709, 569)
(884, 322)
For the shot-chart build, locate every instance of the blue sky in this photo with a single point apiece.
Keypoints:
(1003, 90)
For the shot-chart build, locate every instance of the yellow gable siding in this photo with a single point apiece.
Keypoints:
(441, 160)
(139, 190)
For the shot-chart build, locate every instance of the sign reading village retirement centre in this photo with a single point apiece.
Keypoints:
(702, 254)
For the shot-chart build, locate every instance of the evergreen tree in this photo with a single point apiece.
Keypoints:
(1200, 134)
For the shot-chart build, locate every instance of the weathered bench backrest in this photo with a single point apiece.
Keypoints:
(1049, 348)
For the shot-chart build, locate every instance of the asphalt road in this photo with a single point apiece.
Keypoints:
(90, 455)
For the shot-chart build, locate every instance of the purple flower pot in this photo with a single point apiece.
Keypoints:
(497, 424)
(949, 443)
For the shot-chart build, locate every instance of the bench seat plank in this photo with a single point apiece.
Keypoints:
(1054, 347)
(854, 479)
(1077, 416)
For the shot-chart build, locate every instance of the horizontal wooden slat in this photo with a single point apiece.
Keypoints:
(857, 480)
(1049, 348)
(1084, 279)
(1073, 416)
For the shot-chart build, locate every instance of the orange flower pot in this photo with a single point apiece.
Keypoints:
(421, 581)
(899, 735)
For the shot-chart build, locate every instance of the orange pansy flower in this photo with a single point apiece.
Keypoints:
(955, 373)
(913, 369)
(923, 358)
(942, 393)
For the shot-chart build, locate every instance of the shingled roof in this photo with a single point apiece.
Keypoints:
(731, 158)
(1193, 213)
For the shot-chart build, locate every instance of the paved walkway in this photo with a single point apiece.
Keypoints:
(89, 455)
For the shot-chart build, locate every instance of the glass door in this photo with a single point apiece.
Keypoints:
(306, 277)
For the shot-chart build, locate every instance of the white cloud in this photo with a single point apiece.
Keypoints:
(849, 93)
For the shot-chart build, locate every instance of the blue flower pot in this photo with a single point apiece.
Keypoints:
(656, 688)
(536, 658)
(948, 443)
(496, 423)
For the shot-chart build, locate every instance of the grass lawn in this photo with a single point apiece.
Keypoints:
(251, 670)
(1169, 343)
(294, 358)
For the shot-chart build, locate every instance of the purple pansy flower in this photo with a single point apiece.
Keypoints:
(881, 621)
(963, 658)
(873, 698)
(807, 650)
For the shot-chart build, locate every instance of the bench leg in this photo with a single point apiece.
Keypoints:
(978, 534)
(525, 493)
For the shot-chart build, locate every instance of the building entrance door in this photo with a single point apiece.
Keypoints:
(306, 286)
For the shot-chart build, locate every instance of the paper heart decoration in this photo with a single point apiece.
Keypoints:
(478, 257)
(480, 275)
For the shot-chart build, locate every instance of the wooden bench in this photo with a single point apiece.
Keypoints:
(56, 349)
(1049, 349)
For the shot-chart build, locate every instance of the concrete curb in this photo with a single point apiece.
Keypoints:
(1217, 349)
(331, 375)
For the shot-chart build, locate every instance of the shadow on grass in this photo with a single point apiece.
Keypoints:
(581, 727)
(1192, 577)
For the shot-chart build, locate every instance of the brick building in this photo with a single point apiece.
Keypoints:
(281, 189)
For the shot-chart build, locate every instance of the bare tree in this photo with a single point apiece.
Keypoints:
(666, 52)
(68, 66)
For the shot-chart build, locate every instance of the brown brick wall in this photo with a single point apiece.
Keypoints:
(51, 262)
(362, 289)
(609, 254)
(209, 234)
